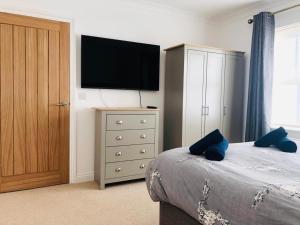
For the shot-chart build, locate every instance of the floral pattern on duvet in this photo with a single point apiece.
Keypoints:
(248, 167)
(154, 175)
(260, 196)
(209, 217)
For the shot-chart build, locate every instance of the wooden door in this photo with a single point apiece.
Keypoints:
(214, 92)
(34, 102)
(196, 69)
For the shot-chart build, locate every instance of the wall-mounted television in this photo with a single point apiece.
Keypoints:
(115, 64)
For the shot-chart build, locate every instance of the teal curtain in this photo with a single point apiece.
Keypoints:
(260, 77)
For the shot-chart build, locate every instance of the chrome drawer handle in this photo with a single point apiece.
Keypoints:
(143, 136)
(143, 121)
(143, 151)
(118, 170)
(142, 166)
(119, 122)
(118, 153)
(118, 138)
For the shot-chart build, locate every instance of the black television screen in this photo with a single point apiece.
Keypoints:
(114, 64)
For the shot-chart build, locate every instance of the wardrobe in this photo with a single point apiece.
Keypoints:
(204, 91)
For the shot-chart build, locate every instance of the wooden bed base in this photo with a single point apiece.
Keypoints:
(171, 215)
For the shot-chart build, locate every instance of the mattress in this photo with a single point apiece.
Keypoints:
(251, 186)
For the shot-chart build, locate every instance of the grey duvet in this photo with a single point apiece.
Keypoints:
(251, 186)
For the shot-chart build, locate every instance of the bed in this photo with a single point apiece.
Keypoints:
(252, 186)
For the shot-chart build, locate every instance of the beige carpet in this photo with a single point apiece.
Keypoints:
(80, 204)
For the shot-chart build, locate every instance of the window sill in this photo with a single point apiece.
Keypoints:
(293, 132)
(273, 127)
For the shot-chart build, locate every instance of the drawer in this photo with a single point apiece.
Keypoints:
(129, 137)
(127, 168)
(131, 152)
(123, 122)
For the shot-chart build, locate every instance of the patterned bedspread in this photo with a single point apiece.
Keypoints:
(252, 186)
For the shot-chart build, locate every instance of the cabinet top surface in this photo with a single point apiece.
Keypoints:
(123, 109)
(202, 47)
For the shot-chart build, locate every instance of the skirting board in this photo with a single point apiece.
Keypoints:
(84, 177)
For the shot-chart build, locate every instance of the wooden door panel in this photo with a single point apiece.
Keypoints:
(64, 95)
(43, 116)
(7, 100)
(25, 181)
(34, 79)
(19, 99)
(53, 100)
(31, 101)
(28, 21)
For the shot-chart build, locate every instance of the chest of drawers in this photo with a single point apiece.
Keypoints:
(126, 141)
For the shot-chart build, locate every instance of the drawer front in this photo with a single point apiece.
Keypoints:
(123, 122)
(129, 137)
(127, 168)
(131, 152)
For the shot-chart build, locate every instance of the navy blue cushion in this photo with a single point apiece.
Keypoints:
(271, 138)
(286, 145)
(200, 146)
(217, 152)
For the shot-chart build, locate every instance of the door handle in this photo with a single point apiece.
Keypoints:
(63, 104)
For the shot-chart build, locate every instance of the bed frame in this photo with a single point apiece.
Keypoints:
(171, 215)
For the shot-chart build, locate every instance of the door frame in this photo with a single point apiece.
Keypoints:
(72, 84)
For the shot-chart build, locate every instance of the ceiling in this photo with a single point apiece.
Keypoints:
(209, 8)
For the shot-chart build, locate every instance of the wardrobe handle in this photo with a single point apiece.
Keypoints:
(203, 110)
(224, 111)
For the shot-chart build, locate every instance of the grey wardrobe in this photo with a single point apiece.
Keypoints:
(204, 90)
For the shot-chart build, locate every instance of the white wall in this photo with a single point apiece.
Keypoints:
(235, 33)
(112, 19)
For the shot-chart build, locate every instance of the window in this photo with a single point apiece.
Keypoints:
(286, 80)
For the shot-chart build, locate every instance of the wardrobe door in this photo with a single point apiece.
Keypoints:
(233, 98)
(194, 99)
(34, 75)
(213, 109)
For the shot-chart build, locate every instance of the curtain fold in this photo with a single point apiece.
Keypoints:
(260, 77)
